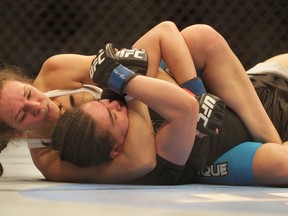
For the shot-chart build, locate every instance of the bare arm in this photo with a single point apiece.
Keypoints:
(175, 139)
(64, 71)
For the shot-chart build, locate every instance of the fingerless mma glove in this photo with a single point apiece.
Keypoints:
(211, 113)
(107, 71)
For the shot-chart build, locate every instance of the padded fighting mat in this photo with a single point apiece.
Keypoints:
(25, 192)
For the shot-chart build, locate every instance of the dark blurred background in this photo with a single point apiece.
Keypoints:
(32, 31)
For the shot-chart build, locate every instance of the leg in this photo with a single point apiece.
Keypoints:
(232, 168)
(282, 59)
(270, 165)
(165, 41)
(249, 163)
(225, 77)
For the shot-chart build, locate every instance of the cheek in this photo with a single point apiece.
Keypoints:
(101, 123)
(123, 124)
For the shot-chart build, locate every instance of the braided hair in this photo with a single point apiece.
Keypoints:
(75, 137)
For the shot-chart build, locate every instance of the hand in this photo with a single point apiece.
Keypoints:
(103, 64)
(211, 113)
(108, 60)
(134, 59)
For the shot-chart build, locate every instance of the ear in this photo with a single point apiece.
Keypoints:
(116, 151)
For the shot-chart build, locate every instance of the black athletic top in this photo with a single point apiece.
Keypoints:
(273, 93)
(205, 151)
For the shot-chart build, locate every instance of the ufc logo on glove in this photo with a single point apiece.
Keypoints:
(108, 59)
(207, 106)
(211, 113)
(97, 61)
(131, 53)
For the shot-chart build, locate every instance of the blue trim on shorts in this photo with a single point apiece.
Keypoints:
(233, 168)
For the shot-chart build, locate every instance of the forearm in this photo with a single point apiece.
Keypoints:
(158, 94)
(121, 170)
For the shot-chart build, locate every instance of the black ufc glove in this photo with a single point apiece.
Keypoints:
(211, 113)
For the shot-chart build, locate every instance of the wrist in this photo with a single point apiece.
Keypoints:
(119, 78)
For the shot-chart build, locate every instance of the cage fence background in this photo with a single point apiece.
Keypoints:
(32, 31)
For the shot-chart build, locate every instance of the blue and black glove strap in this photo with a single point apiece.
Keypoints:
(119, 77)
(195, 85)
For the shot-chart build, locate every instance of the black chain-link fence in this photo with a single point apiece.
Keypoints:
(33, 30)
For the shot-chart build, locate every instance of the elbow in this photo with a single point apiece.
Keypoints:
(146, 164)
(190, 107)
(151, 163)
(52, 175)
(188, 115)
(52, 64)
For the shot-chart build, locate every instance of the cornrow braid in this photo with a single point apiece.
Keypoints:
(75, 138)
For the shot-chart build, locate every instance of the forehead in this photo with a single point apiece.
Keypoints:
(94, 108)
(10, 99)
(99, 113)
(11, 90)
(11, 84)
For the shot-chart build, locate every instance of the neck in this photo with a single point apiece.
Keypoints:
(41, 134)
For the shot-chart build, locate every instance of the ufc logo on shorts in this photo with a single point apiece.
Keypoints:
(97, 61)
(131, 53)
(207, 106)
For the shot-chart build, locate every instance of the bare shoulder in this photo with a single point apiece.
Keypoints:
(64, 71)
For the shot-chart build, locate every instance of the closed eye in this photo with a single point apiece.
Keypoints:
(111, 117)
(29, 94)
(22, 118)
(72, 101)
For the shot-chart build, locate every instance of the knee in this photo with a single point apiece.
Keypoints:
(204, 39)
(167, 27)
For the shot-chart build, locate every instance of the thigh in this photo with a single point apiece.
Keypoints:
(282, 59)
(270, 165)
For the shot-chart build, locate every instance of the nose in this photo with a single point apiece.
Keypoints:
(114, 105)
(33, 107)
